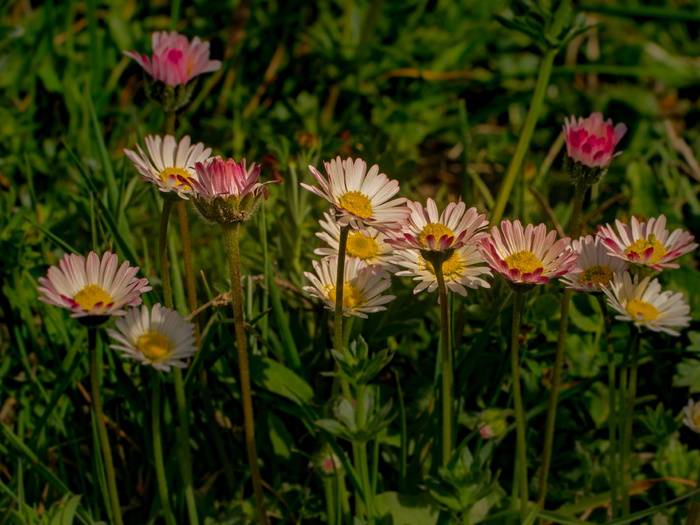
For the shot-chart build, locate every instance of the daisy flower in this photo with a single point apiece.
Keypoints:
(92, 287)
(361, 290)
(159, 337)
(594, 266)
(460, 270)
(692, 416)
(168, 164)
(428, 230)
(361, 198)
(644, 304)
(529, 255)
(175, 60)
(369, 247)
(646, 244)
(227, 192)
(591, 141)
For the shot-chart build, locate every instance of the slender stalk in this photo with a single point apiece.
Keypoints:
(612, 419)
(231, 237)
(329, 488)
(158, 452)
(339, 284)
(169, 122)
(102, 428)
(163, 253)
(362, 463)
(189, 269)
(525, 136)
(629, 418)
(446, 366)
(518, 401)
(574, 228)
(622, 404)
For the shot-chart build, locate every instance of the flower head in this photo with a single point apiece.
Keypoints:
(168, 164)
(361, 289)
(594, 266)
(226, 192)
(591, 141)
(93, 287)
(159, 337)
(527, 255)
(644, 304)
(692, 416)
(361, 198)
(646, 245)
(175, 60)
(367, 246)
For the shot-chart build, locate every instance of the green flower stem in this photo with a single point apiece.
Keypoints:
(361, 461)
(102, 428)
(629, 418)
(525, 136)
(158, 451)
(189, 269)
(329, 488)
(169, 122)
(521, 456)
(446, 365)
(163, 253)
(231, 243)
(612, 419)
(574, 228)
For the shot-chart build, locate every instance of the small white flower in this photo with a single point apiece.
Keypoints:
(692, 416)
(594, 266)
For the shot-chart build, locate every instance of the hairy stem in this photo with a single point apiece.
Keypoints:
(158, 451)
(629, 419)
(446, 365)
(518, 402)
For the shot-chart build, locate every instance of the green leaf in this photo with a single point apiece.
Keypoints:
(405, 509)
(688, 375)
(280, 380)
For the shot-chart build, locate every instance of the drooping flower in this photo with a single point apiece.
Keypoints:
(168, 164)
(361, 198)
(527, 255)
(591, 141)
(426, 229)
(692, 416)
(158, 337)
(226, 192)
(594, 267)
(643, 303)
(369, 247)
(646, 245)
(93, 287)
(175, 60)
(361, 290)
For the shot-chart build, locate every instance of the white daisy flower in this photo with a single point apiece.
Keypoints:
(169, 165)
(361, 289)
(159, 337)
(369, 247)
(93, 287)
(594, 266)
(361, 198)
(692, 416)
(647, 244)
(644, 304)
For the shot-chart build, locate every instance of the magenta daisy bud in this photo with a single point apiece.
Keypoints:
(169, 165)
(361, 198)
(594, 267)
(646, 247)
(361, 290)
(643, 303)
(527, 255)
(158, 337)
(93, 287)
(692, 416)
(226, 192)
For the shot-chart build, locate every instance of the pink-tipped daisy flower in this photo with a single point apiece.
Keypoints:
(591, 141)
(361, 198)
(594, 267)
(646, 244)
(527, 255)
(169, 165)
(92, 286)
(175, 60)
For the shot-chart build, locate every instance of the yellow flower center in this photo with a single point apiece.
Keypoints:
(356, 203)
(598, 275)
(451, 268)
(435, 229)
(524, 261)
(91, 295)
(641, 245)
(641, 310)
(167, 172)
(352, 297)
(366, 248)
(154, 346)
